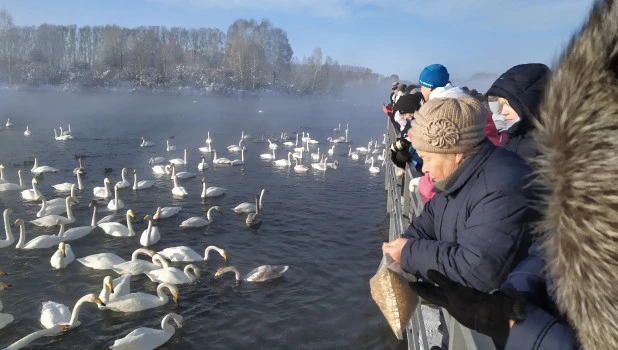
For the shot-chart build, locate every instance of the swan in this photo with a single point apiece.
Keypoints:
(27, 132)
(46, 209)
(284, 162)
(244, 136)
(134, 302)
(207, 149)
(254, 219)
(240, 161)
(124, 183)
(5, 319)
(332, 165)
(321, 165)
(149, 338)
(316, 155)
(197, 221)
(169, 146)
(8, 123)
(50, 220)
(7, 229)
(211, 191)
(61, 137)
(113, 290)
(173, 275)
(36, 169)
(8, 186)
(62, 257)
(81, 231)
(272, 145)
(203, 165)
(312, 142)
(166, 212)
(117, 229)
(54, 314)
(331, 151)
(186, 254)
(137, 266)
(146, 143)
(220, 161)
(259, 274)
(364, 150)
(182, 174)
(156, 160)
(245, 207)
(162, 169)
(39, 242)
(268, 156)
(101, 261)
(80, 168)
(338, 128)
(150, 235)
(66, 132)
(235, 148)
(102, 192)
(66, 186)
(31, 194)
(115, 204)
(2, 180)
(304, 138)
(208, 139)
(299, 168)
(25, 341)
(141, 185)
(178, 190)
(178, 161)
(382, 156)
(353, 155)
(290, 143)
(373, 169)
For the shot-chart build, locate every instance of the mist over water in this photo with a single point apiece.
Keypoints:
(327, 226)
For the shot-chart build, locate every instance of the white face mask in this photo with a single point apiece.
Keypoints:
(500, 122)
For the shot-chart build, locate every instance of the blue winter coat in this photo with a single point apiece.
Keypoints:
(476, 231)
(541, 329)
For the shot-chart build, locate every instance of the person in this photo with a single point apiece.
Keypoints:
(568, 280)
(476, 227)
(402, 151)
(433, 77)
(516, 96)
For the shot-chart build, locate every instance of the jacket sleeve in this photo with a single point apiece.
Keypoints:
(541, 331)
(422, 226)
(483, 253)
(528, 277)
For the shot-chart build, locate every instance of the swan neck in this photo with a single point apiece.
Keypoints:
(204, 190)
(79, 181)
(191, 275)
(22, 235)
(21, 180)
(232, 269)
(61, 232)
(7, 226)
(76, 309)
(135, 181)
(94, 216)
(159, 260)
(162, 296)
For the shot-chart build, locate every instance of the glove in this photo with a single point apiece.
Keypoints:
(486, 313)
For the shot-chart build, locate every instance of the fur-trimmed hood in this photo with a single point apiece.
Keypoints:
(578, 142)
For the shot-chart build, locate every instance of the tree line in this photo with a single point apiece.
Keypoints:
(250, 56)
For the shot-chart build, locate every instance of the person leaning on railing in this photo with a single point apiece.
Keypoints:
(402, 151)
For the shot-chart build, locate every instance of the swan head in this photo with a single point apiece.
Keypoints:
(107, 281)
(2, 273)
(116, 188)
(18, 222)
(142, 139)
(71, 199)
(62, 248)
(4, 286)
(203, 180)
(35, 181)
(91, 298)
(107, 181)
(218, 208)
(147, 218)
(58, 222)
(217, 249)
(9, 211)
(157, 214)
(134, 171)
(93, 204)
(131, 214)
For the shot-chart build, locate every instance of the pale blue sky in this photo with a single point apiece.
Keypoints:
(400, 37)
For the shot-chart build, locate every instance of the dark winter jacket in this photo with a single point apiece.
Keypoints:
(476, 230)
(523, 86)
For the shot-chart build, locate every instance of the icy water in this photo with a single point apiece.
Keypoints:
(327, 226)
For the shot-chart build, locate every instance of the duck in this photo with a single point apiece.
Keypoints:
(117, 229)
(146, 143)
(10, 239)
(173, 275)
(178, 191)
(102, 192)
(39, 242)
(211, 191)
(166, 212)
(240, 161)
(53, 313)
(150, 235)
(246, 207)
(169, 146)
(259, 274)
(149, 338)
(31, 194)
(37, 170)
(186, 254)
(123, 183)
(141, 185)
(27, 132)
(66, 186)
(202, 165)
(8, 186)
(220, 161)
(255, 219)
(62, 257)
(115, 204)
(50, 220)
(181, 174)
(197, 221)
(179, 161)
(135, 302)
(137, 266)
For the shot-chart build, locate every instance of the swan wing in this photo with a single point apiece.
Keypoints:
(169, 275)
(195, 222)
(181, 253)
(54, 313)
(101, 261)
(115, 229)
(43, 242)
(9, 186)
(5, 319)
(134, 302)
(77, 232)
(145, 184)
(134, 267)
(142, 339)
(63, 187)
(109, 219)
(244, 208)
(50, 220)
(166, 212)
(55, 210)
(266, 272)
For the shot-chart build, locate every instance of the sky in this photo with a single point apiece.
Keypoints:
(390, 37)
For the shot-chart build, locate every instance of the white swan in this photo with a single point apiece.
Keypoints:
(245, 136)
(115, 204)
(141, 185)
(272, 145)
(162, 169)
(80, 168)
(66, 132)
(220, 161)
(5, 319)
(338, 128)
(331, 150)
(178, 161)
(39, 242)
(150, 235)
(156, 160)
(66, 186)
(31, 194)
(169, 147)
(353, 155)
(101, 261)
(321, 165)
(2, 180)
(197, 221)
(50, 220)
(182, 174)
(114, 289)
(332, 165)
(259, 274)
(124, 183)
(166, 212)
(146, 143)
(284, 162)
(186, 254)
(80, 231)
(299, 168)
(149, 338)
(134, 302)
(235, 148)
(316, 155)
(7, 229)
(240, 161)
(268, 156)
(8, 186)
(61, 137)
(36, 169)
(137, 266)
(173, 275)
(178, 190)
(254, 219)
(62, 257)
(373, 169)
(54, 314)
(102, 192)
(290, 143)
(208, 139)
(61, 200)
(49, 332)
(203, 165)
(211, 191)
(246, 208)
(117, 229)
(46, 209)
(8, 123)
(207, 149)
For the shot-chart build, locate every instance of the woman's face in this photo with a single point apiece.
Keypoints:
(439, 165)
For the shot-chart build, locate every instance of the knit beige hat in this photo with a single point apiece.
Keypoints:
(448, 125)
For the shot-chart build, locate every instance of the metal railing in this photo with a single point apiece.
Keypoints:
(402, 207)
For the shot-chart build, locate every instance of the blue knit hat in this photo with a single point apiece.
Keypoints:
(433, 76)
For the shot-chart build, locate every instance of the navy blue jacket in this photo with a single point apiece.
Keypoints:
(476, 231)
(541, 329)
